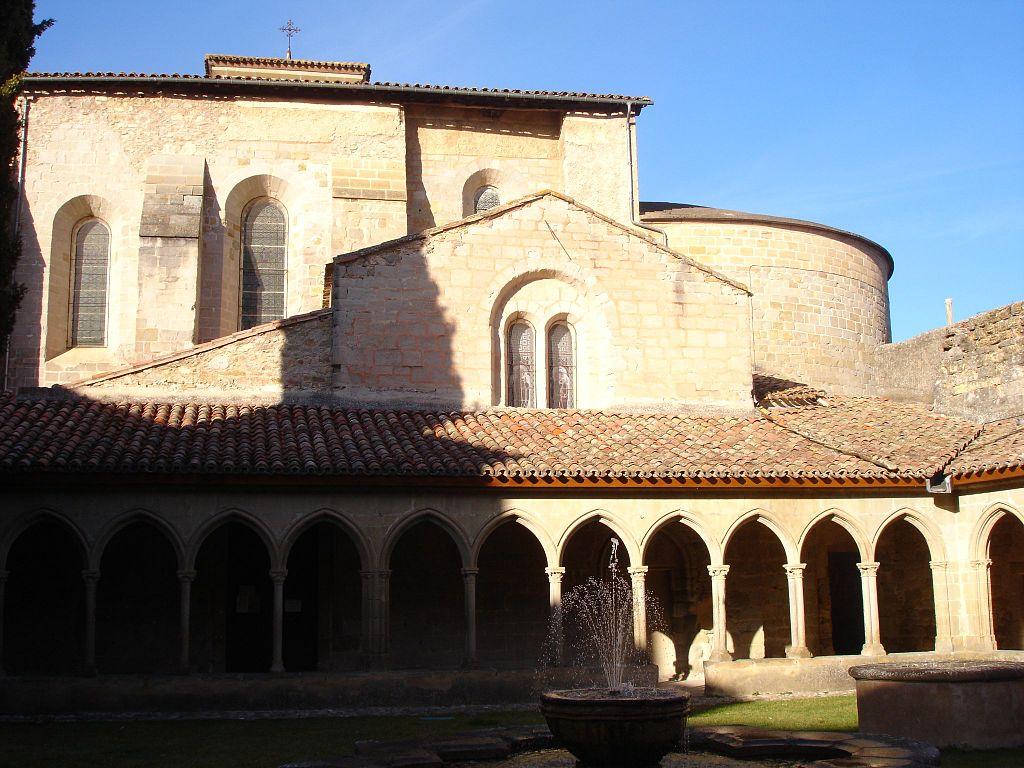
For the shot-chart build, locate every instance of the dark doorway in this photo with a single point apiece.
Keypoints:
(232, 602)
(137, 603)
(322, 601)
(44, 616)
(847, 603)
(906, 603)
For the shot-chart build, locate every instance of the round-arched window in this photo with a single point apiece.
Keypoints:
(485, 199)
(521, 368)
(89, 285)
(561, 367)
(264, 260)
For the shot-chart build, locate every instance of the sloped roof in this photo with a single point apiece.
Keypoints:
(838, 443)
(1000, 447)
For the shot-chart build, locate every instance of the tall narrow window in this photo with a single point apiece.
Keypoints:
(521, 369)
(264, 259)
(486, 198)
(89, 285)
(561, 367)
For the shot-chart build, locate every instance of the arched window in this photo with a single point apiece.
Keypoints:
(485, 199)
(521, 368)
(561, 367)
(264, 256)
(89, 284)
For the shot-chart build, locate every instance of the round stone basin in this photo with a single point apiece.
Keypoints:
(608, 729)
(978, 704)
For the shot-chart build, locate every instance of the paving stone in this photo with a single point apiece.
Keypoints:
(339, 762)
(527, 738)
(411, 758)
(477, 748)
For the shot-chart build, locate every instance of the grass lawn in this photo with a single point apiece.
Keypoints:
(269, 743)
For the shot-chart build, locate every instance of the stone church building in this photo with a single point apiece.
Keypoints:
(326, 390)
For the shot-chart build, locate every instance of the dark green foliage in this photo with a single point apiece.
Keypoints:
(17, 37)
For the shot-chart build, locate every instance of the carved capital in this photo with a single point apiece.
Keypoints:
(555, 574)
(867, 569)
(795, 570)
(278, 575)
(939, 565)
(718, 571)
(637, 570)
(980, 565)
(186, 576)
(90, 576)
(470, 573)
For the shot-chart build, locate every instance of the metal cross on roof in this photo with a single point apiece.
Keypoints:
(290, 30)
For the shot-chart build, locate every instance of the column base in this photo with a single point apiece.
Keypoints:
(717, 656)
(277, 668)
(798, 652)
(944, 645)
(872, 649)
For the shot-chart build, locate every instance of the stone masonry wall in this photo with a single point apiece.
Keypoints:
(425, 320)
(289, 358)
(974, 368)
(820, 304)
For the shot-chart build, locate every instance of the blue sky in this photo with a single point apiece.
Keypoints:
(902, 121)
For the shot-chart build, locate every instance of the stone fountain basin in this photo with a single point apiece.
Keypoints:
(607, 728)
(977, 704)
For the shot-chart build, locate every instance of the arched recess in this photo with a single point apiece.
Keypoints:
(906, 598)
(486, 177)
(443, 521)
(65, 222)
(547, 290)
(137, 599)
(831, 546)
(932, 537)
(139, 516)
(511, 595)
(527, 521)
(222, 249)
(1005, 550)
(677, 556)
(44, 598)
(323, 600)
(232, 595)
(789, 546)
(757, 593)
(615, 526)
(427, 620)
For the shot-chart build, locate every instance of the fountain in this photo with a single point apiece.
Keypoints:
(618, 724)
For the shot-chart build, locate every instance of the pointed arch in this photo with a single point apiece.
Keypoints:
(443, 521)
(840, 518)
(979, 542)
(228, 515)
(35, 516)
(764, 518)
(136, 516)
(715, 549)
(609, 521)
(523, 519)
(339, 519)
(932, 537)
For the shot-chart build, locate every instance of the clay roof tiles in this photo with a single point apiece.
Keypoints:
(855, 439)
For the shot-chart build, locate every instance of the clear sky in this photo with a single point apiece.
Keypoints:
(902, 121)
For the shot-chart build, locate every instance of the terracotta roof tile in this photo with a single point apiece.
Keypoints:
(853, 438)
(1000, 446)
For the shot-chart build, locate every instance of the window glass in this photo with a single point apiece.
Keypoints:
(561, 367)
(89, 285)
(264, 256)
(521, 369)
(486, 198)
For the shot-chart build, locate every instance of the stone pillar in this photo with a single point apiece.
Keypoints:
(91, 579)
(719, 646)
(469, 596)
(940, 594)
(869, 591)
(638, 576)
(986, 631)
(555, 599)
(797, 648)
(3, 584)
(278, 575)
(185, 579)
(375, 615)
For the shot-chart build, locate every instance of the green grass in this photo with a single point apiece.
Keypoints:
(269, 743)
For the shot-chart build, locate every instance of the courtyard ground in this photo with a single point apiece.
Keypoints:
(269, 743)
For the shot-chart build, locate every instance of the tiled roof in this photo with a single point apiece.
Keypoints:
(75, 435)
(999, 447)
(383, 88)
(282, 63)
(771, 391)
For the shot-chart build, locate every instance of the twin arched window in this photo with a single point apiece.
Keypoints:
(89, 272)
(521, 369)
(264, 263)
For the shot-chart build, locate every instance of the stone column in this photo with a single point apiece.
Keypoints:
(797, 648)
(986, 627)
(375, 615)
(185, 579)
(3, 584)
(278, 575)
(638, 576)
(469, 596)
(869, 591)
(719, 646)
(91, 579)
(555, 599)
(940, 595)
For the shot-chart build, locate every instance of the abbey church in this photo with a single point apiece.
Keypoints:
(317, 374)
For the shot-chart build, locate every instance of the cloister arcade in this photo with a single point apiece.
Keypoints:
(236, 596)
